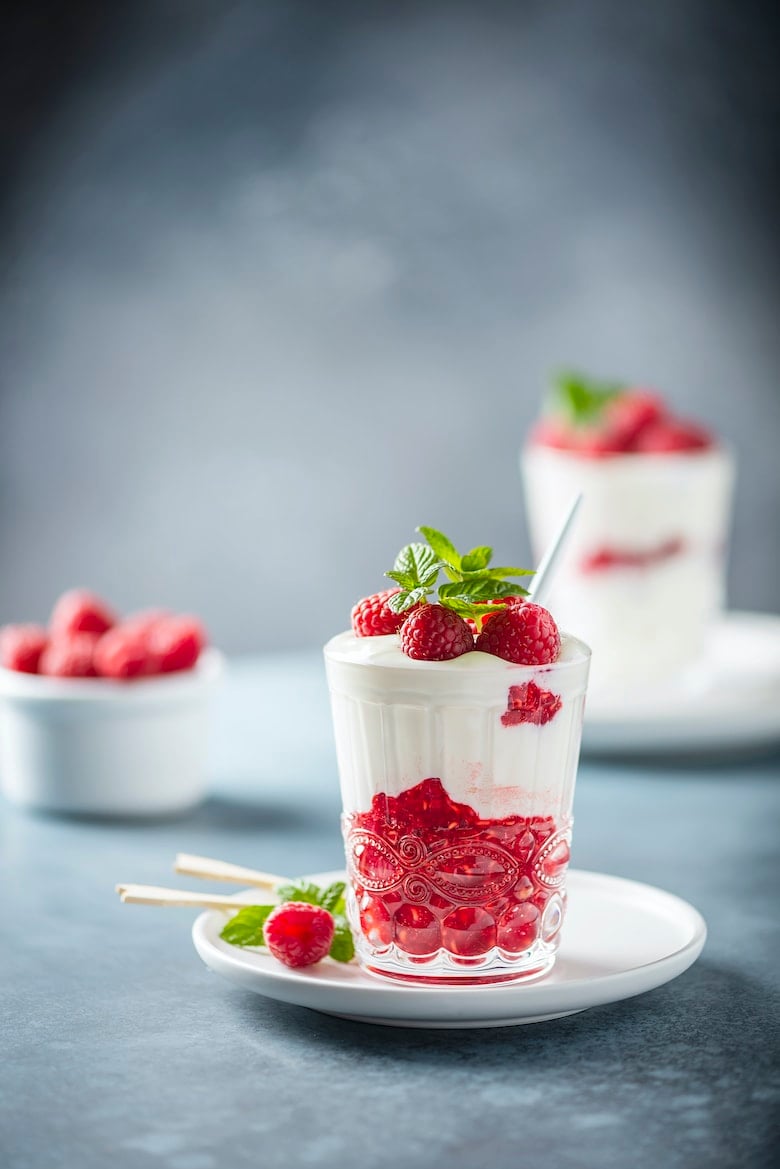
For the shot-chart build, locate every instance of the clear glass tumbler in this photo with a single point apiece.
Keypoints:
(457, 782)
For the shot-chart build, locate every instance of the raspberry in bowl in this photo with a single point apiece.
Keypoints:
(642, 577)
(457, 753)
(105, 716)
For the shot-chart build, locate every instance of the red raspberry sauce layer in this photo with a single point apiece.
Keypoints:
(430, 874)
(606, 558)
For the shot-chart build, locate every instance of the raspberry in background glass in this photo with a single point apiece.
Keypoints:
(642, 578)
(457, 738)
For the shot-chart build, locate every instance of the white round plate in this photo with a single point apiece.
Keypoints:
(731, 700)
(620, 939)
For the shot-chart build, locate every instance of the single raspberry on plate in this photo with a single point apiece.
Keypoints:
(434, 633)
(21, 647)
(80, 611)
(372, 617)
(174, 643)
(123, 652)
(70, 657)
(670, 435)
(526, 635)
(299, 934)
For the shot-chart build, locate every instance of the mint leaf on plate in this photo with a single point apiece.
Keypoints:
(332, 898)
(299, 891)
(342, 948)
(246, 927)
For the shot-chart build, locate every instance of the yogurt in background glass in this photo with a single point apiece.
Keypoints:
(457, 781)
(642, 577)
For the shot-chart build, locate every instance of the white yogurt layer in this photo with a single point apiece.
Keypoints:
(641, 621)
(399, 721)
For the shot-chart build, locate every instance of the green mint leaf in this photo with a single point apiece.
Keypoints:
(415, 560)
(472, 587)
(582, 400)
(342, 947)
(476, 559)
(331, 897)
(300, 891)
(403, 601)
(500, 573)
(441, 545)
(246, 928)
(404, 579)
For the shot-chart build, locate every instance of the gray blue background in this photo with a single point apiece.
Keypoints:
(281, 281)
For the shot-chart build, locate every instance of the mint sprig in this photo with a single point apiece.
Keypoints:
(582, 400)
(471, 580)
(245, 928)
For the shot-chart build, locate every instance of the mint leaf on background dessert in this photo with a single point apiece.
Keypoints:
(582, 400)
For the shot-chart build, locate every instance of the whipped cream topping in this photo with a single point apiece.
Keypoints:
(398, 721)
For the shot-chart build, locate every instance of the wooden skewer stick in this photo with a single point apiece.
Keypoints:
(154, 895)
(214, 870)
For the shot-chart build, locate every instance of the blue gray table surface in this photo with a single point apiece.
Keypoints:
(120, 1048)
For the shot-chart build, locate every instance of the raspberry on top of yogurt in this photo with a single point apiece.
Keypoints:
(598, 419)
(446, 604)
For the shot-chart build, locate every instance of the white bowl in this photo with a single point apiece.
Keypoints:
(102, 747)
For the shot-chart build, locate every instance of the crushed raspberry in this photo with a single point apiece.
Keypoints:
(525, 634)
(80, 611)
(670, 435)
(372, 617)
(429, 873)
(434, 633)
(21, 647)
(606, 558)
(299, 934)
(123, 653)
(70, 657)
(528, 703)
(175, 643)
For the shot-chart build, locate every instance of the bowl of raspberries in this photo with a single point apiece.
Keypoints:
(102, 714)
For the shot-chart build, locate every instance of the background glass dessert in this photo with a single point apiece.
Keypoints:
(643, 576)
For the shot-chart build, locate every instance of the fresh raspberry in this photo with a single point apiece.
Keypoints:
(146, 619)
(123, 652)
(299, 934)
(21, 647)
(628, 415)
(434, 633)
(80, 611)
(174, 643)
(70, 657)
(526, 635)
(372, 617)
(510, 602)
(671, 435)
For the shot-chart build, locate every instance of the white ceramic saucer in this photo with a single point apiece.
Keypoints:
(620, 939)
(731, 699)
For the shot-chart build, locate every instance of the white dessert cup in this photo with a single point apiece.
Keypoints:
(663, 519)
(94, 746)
